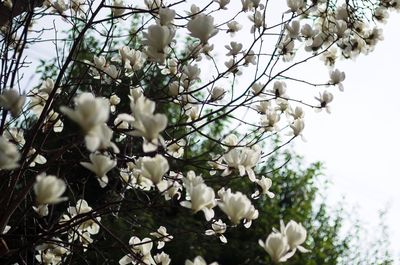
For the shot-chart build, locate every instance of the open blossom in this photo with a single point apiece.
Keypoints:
(233, 27)
(9, 155)
(277, 247)
(12, 101)
(100, 165)
(162, 259)
(199, 261)
(48, 189)
(264, 184)
(269, 121)
(167, 16)
(91, 114)
(242, 159)
(147, 124)
(297, 127)
(157, 39)
(202, 198)
(84, 230)
(153, 168)
(162, 236)
(337, 77)
(237, 207)
(202, 27)
(325, 98)
(234, 48)
(131, 59)
(142, 248)
(218, 229)
(296, 234)
(217, 93)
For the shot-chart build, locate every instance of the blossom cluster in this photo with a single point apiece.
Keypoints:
(136, 120)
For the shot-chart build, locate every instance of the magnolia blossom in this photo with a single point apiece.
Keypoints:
(131, 59)
(100, 165)
(162, 259)
(243, 159)
(167, 16)
(277, 247)
(217, 93)
(233, 27)
(118, 8)
(296, 234)
(202, 198)
(153, 168)
(202, 27)
(297, 127)
(157, 39)
(91, 114)
(337, 77)
(264, 184)
(142, 248)
(9, 155)
(218, 229)
(176, 148)
(237, 207)
(162, 236)
(325, 98)
(147, 124)
(84, 230)
(48, 190)
(269, 121)
(199, 261)
(12, 101)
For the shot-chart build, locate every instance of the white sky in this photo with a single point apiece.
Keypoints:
(359, 142)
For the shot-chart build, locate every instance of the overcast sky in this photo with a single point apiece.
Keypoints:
(359, 142)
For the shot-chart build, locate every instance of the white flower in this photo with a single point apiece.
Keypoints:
(152, 4)
(202, 27)
(142, 248)
(233, 27)
(222, 3)
(89, 112)
(12, 101)
(118, 8)
(177, 148)
(48, 189)
(157, 38)
(147, 124)
(153, 168)
(167, 16)
(279, 89)
(337, 77)
(162, 236)
(199, 261)
(202, 198)
(293, 29)
(237, 207)
(15, 135)
(83, 230)
(258, 21)
(217, 93)
(277, 247)
(234, 48)
(231, 140)
(295, 5)
(162, 259)
(265, 184)
(131, 59)
(297, 113)
(218, 229)
(100, 165)
(9, 154)
(269, 121)
(308, 32)
(325, 98)
(297, 126)
(296, 234)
